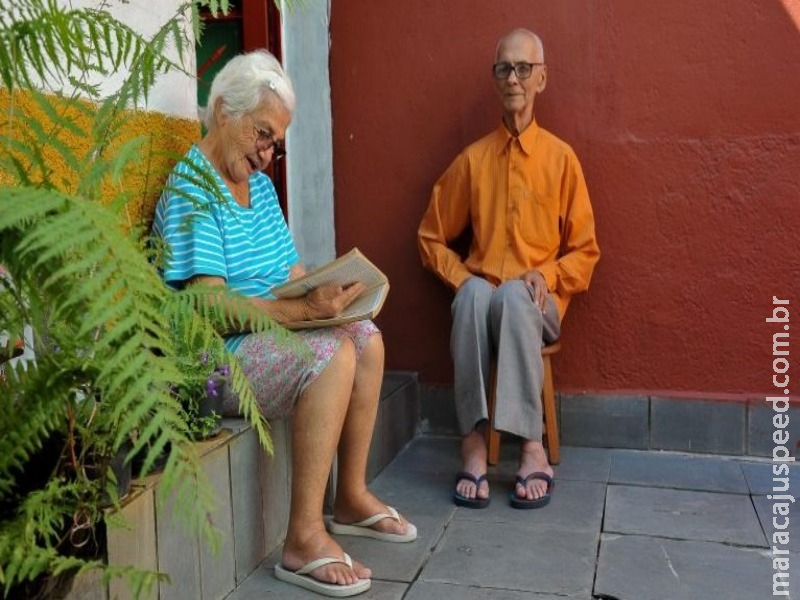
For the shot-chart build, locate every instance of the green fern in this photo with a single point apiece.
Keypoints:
(103, 321)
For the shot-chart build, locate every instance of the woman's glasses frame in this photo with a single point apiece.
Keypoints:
(266, 140)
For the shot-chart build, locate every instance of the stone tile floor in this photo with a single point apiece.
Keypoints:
(623, 524)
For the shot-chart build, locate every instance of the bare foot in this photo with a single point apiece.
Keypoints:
(473, 457)
(298, 552)
(532, 458)
(349, 509)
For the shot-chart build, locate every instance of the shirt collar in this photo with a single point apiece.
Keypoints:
(526, 138)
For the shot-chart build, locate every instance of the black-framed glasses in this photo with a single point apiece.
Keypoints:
(523, 70)
(266, 140)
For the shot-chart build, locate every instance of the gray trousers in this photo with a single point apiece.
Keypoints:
(506, 323)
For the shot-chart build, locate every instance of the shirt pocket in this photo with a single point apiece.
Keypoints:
(539, 221)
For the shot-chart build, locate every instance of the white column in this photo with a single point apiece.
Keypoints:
(309, 140)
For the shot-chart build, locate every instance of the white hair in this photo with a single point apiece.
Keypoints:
(244, 82)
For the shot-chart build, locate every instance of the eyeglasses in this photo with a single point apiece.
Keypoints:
(266, 140)
(522, 70)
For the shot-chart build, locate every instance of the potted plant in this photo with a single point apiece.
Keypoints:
(104, 324)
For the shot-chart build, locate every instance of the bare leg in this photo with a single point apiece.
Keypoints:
(473, 458)
(532, 458)
(316, 427)
(354, 502)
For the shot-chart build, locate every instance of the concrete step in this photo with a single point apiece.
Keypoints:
(252, 492)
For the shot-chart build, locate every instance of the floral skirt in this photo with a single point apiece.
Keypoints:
(279, 370)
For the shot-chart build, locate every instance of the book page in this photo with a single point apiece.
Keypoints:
(366, 304)
(347, 269)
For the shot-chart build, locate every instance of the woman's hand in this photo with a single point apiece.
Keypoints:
(328, 301)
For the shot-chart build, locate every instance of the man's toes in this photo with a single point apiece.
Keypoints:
(483, 491)
(521, 491)
(539, 491)
(466, 490)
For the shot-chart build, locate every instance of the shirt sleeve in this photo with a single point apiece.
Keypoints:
(192, 234)
(445, 219)
(572, 271)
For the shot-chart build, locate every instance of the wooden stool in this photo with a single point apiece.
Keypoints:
(548, 409)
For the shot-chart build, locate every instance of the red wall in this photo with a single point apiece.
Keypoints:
(686, 118)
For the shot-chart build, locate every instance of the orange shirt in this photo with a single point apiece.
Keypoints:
(528, 206)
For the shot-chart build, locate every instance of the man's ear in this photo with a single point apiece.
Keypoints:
(542, 83)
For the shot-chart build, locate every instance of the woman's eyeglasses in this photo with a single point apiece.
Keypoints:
(266, 140)
(523, 70)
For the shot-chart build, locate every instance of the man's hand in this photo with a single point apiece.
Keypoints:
(328, 301)
(536, 281)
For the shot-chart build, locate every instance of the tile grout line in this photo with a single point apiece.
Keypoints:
(429, 554)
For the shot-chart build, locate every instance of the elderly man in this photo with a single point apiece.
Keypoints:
(522, 192)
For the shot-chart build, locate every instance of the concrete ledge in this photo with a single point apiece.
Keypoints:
(761, 428)
(398, 419)
(727, 425)
(437, 412)
(697, 425)
(605, 421)
(703, 425)
(252, 508)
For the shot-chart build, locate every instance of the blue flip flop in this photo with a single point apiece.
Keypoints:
(524, 503)
(470, 502)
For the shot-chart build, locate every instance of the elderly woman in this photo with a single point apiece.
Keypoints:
(241, 241)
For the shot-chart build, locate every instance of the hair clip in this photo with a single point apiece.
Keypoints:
(272, 84)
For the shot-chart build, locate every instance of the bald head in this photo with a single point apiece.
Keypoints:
(521, 35)
(519, 75)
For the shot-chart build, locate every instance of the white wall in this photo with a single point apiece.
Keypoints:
(175, 93)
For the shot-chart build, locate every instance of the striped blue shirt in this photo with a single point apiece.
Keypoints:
(251, 248)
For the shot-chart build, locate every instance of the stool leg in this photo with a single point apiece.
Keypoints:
(550, 417)
(492, 435)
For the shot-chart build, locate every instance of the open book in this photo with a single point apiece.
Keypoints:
(347, 269)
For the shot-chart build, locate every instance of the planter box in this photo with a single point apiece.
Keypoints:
(252, 511)
(253, 495)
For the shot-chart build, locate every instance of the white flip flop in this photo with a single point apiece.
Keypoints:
(300, 578)
(364, 528)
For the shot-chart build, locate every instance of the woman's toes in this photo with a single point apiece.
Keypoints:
(361, 571)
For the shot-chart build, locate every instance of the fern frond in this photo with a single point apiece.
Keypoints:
(102, 317)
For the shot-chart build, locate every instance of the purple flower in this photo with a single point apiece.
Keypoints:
(211, 387)
(223, 370)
